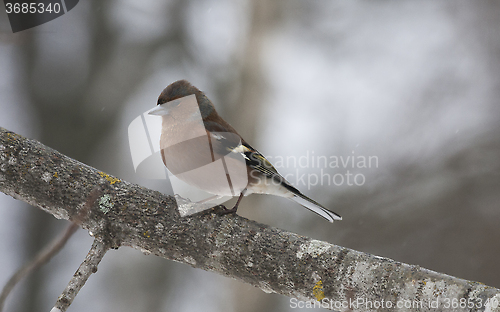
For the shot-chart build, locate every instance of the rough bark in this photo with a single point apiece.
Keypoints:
(123, 214)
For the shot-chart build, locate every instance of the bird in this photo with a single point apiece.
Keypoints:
(193, 136)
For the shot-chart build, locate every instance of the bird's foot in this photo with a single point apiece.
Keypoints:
(228, 211)
(233, 210)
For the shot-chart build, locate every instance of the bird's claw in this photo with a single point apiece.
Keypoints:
(229, 211)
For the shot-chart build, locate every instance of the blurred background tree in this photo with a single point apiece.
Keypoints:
(414, 84)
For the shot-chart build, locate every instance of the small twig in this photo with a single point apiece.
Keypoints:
(88, 266)
(43, 257)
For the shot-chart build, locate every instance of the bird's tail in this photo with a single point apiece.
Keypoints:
(310, 204)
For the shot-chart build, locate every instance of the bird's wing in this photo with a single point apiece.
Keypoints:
(229, 143)
(224, 143)
(221, 141)
(256, 160)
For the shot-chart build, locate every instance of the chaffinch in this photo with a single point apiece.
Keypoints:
(194, 137)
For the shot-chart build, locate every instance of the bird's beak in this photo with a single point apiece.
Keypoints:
(159, 110)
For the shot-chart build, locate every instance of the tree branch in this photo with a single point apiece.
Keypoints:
(40, 259)
(119, 213)
(88, 266)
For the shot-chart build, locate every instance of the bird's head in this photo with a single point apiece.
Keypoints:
(171, 97)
